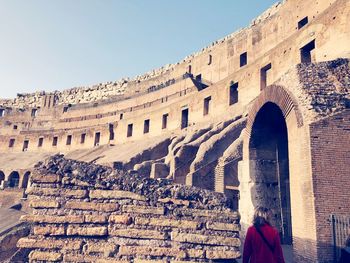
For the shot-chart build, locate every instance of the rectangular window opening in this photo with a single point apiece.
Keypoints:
(146, 125)
(165, 121)
(206, 106)
(233, 93)
(82, 138)
(40, 142)
(34, 112)
(97, 139)
(111, 132)
(121, 116)
(243, 59)
(210, 59)
(55, 141)
(303, 22)
(184, 118)
(12, 143)
(306, 52)
(264, 76)
(129, 131)
(25, 145)
(69, 140)
(2, 112)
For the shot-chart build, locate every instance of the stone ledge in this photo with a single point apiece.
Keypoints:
(87, 230)
(115, 194)
(102, 207)
(143, 210)
(52, 219)
(44, 204)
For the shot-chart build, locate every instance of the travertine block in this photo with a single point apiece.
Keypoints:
(39, 203)
(115, 194)
(86, 230)
(95, 219)
(166, 222)
(50, 230)
(222, 254)
(45, 178)
(102, 207)
(52, 219)
(137, 233)
(204, 239)
(49, 243)
(143, 210)
(151, 251)
(222, 226)
(57, 192)
(45, 256)
(120, 219)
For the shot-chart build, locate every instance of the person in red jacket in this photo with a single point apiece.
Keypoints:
(262, 243)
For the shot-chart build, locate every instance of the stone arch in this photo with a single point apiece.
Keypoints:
(25, 179)
(273, 124)
(13, 179)
(2, 177)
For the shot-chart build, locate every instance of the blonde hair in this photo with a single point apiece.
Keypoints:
(261, 216)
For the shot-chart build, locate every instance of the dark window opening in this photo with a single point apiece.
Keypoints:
(55, 141)
(34, 112)
(15, 127)
(264, 76)
(2, 112)
(129, 131)
(25, 145)
(303, 22)
(189, 70)
(40, 142)
(243, 59)
(233, 93)
(184, 118)
(97, 139)
(69, 140)
(306, 53)
(206, 105)
(165, 121)
(121, 116)
(12, 143)
(146, 126)
(210, 59)
(82, 138)
(65, 108)
(111, 132)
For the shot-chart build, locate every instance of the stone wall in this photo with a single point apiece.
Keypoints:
(90, 213)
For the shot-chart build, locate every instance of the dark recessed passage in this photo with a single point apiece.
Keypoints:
(206, 105)
(184, 118)
(165, 121)
(69, 140)
(82, 138)
(111, 132)
(129, 131)
(55, 141)
(12, 143)
(264, 76)
(41, 142)
(146, 126)
(97, 139)
(25, 145)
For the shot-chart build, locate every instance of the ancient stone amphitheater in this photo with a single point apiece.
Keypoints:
(155, 168)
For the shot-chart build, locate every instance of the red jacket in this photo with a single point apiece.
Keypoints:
(257, 251)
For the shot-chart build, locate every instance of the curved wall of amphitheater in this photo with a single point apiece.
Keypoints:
(271, 40)
(284, 64)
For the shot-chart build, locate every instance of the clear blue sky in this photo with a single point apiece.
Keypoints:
(55, 45)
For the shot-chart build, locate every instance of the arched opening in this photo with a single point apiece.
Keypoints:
(25, 179)
(268, 154)
(13, 180)
(2, 177)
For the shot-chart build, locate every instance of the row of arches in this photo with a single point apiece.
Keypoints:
(14, 179)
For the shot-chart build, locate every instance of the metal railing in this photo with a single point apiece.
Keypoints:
(340, 232)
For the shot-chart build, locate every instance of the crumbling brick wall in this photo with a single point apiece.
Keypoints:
(89, 213)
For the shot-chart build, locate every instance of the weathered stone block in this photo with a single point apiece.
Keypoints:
(102, 207)
(205, 239)
(100, 247)
(45, 256)
(36, 203)
(52, 219)
(222, 226)
(137, 233)
(95, 219)
(51, 230)
(87, 230)
(174, 201)
(222, 254)
(57, 192)
(49, 243)
(45, 178)
(166, 222)
(151, 251)
(143, 210)
(120, 219)
(115, 194)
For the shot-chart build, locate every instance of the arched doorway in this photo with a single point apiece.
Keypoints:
(13, 180)
(25, 179)
(268, 154)
(2, 177)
